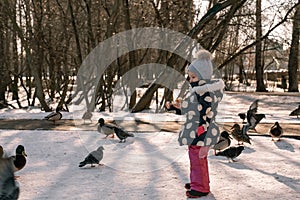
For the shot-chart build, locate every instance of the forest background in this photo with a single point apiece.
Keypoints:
(44, 42)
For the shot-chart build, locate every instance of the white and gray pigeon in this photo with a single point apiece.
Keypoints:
(105, 128)
(93, 157)
(9, 188)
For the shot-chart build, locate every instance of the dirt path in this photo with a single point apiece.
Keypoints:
(135, 126)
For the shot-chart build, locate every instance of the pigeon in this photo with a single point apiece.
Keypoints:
(105, 128)
(87, 116)
(9, 188)
(1, 152)
(254, 120)
(19, 160)
(231, 152)
(242, 116)
(240, 134)
(224, 141)
(122, 134)
(93, 157)
(253, 107)
(252, 117)
(54, 116)
(276, 131)
(296, 112)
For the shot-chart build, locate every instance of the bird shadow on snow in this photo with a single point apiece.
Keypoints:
(294, 184)
(284, 145)
(248, 150)
(237, 165)
(121, 145)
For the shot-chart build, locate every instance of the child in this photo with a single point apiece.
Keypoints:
(200, 130)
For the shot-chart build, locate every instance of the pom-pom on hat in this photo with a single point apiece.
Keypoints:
(202, 65)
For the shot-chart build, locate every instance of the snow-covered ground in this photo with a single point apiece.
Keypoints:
(149, 166)
(152, 165)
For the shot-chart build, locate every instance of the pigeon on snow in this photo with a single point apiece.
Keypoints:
(93, 158)
(231, 152)
(296, 112)
(9, 188)
(54, 116)
(1, 152)
(224, 142)
(109, 129)
(240, 134)
(87, 116)
(242, 116)
(276, 131)
(105, 128)
(122, 134)
(252, 117)
(19, 160)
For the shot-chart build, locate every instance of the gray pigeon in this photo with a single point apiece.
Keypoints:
(231, 152)
(242, 116)
(240, 134)
(252, 117)
(122, 134)
(54, 116)
(296, 112)
(105, 128)
(254, 120)
(224, 142)
(276, 131)
(9, 188)
(93, 158)
(87, 116)
(1, 152)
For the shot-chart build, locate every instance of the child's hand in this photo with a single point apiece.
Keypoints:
(177, 103)
(203, 151)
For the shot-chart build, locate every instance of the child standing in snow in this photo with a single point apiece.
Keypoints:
(200, 130)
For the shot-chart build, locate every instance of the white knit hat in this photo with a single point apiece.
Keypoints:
(202, 66)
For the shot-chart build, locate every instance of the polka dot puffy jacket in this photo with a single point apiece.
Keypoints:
(200, 108)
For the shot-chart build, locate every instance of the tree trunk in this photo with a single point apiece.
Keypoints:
(260, 86)
(3, 67)
(74, 25)
(293, 64)
(132, 56)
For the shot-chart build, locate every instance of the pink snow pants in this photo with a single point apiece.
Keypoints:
(199, 168)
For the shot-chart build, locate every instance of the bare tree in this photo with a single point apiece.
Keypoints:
(259, 69)
(5, 79)
(293, 64)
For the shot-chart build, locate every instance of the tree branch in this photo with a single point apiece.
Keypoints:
(232, 57)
